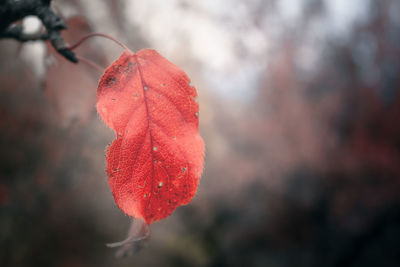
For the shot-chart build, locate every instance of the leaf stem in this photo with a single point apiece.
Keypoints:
(127, 241)
(100, 35)
(138, 231)
(91, 63)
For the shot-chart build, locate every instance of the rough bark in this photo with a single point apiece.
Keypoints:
(14, 10)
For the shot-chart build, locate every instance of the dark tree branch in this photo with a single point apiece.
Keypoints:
(13, 10)
(16, 32)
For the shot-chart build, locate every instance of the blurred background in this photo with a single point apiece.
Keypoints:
(299, 110)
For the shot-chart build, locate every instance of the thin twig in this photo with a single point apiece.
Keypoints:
(72, 47)
(91, 63)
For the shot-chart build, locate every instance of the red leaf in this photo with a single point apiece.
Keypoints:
(156, 161)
